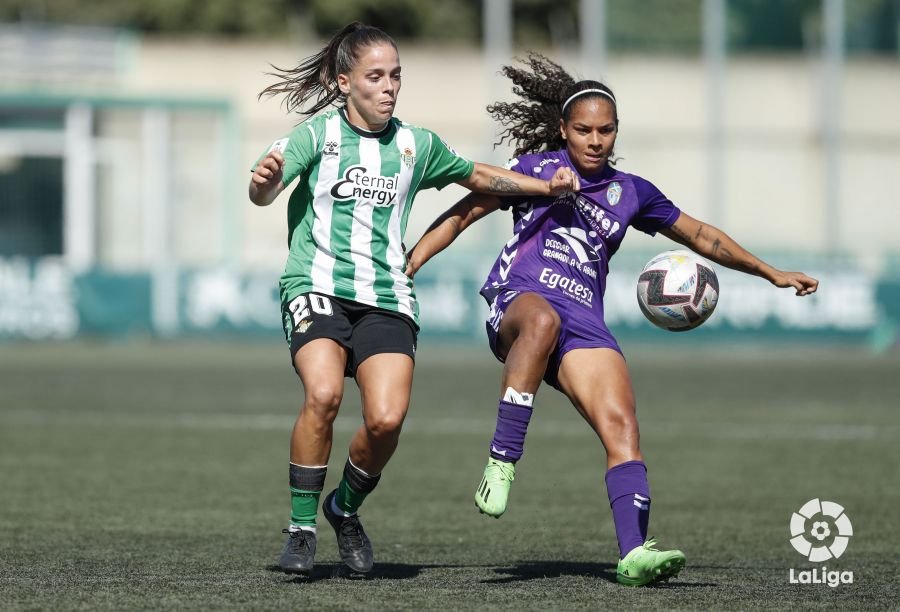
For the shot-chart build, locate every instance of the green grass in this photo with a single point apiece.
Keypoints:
(154, 476)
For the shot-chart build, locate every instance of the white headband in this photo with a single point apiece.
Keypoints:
(587, 91)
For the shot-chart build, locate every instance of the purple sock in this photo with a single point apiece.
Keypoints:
(629, 497)
(509, 437)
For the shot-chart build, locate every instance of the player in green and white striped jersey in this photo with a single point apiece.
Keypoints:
(348, 307)
(348, 215)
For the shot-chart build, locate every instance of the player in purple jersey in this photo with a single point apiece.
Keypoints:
(546, 290)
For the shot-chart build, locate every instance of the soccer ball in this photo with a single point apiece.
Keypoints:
(677, 290)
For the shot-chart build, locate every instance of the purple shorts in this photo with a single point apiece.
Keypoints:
(579, 328)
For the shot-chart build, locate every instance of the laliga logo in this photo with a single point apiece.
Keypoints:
(820, 531)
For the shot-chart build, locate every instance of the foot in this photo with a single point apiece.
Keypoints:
(493, 490)
(645, 565)
(299, 552)
(353, 543)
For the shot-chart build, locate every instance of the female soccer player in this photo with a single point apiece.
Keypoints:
(545, 290)
(348, 308)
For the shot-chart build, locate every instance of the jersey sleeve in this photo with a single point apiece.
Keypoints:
(655, 211)
(298, 149)
(444, 165)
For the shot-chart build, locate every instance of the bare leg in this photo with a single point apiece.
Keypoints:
(526, 339)
(320, 365)
(385, 383)
(598, 384)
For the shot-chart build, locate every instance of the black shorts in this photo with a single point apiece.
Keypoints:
(361, 329)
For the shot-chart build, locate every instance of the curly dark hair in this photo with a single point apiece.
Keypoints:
(532, 123)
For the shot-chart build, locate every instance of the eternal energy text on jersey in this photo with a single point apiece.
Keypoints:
(358, 184)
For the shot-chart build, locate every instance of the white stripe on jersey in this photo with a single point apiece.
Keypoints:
(329, 165)
(361, 231)
(312, 133)
(395, 256)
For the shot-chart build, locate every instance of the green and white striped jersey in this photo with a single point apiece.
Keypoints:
(348, 214)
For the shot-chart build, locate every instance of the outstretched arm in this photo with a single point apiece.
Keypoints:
(448, 226)
(500, 181)
(718, 246)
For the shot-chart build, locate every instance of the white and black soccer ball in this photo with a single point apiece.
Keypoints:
(677, 290)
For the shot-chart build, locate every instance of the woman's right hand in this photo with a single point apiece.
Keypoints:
(265, 182)
(268, 170)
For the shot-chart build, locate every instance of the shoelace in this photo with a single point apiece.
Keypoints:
(650, 544)
(352, 530)
(298, 538)
(499, 471)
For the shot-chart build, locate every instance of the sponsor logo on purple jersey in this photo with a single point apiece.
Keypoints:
(561, 246)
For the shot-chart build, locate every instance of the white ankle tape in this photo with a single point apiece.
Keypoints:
(520, 399)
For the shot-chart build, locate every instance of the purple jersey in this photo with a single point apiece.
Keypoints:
(561, 246)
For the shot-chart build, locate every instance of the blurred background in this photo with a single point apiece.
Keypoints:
(128, 130)
(147, 396)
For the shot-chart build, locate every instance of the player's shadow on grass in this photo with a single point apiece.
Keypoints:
(536, 570)
(531, 570)
(384, 571)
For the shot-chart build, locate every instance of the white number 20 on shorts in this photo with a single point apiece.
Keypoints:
(299, 307)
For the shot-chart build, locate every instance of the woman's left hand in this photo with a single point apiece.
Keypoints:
(798, 280)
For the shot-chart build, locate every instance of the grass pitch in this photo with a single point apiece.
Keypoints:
(154, 476)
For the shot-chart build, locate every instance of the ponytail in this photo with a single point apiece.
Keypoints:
(316, 77)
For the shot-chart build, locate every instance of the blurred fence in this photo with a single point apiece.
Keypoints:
(44, 299)
(99, 179)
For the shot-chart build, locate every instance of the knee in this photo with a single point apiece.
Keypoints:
(622, 439)
(619, 430)
(543, 327)
(323, 401)
(622, 420)
(385, 424)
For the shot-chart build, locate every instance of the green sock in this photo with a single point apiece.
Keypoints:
(354, 487)
(304, 506)
(306, 487)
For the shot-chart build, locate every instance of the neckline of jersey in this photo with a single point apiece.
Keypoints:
(342, 111)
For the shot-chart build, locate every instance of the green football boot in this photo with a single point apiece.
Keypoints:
(493, 490)
(645, 565)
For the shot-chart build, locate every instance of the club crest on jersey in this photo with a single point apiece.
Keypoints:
(303, 325)
(358, 184)
(331, 148)
(407, 157)
(614, 193)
